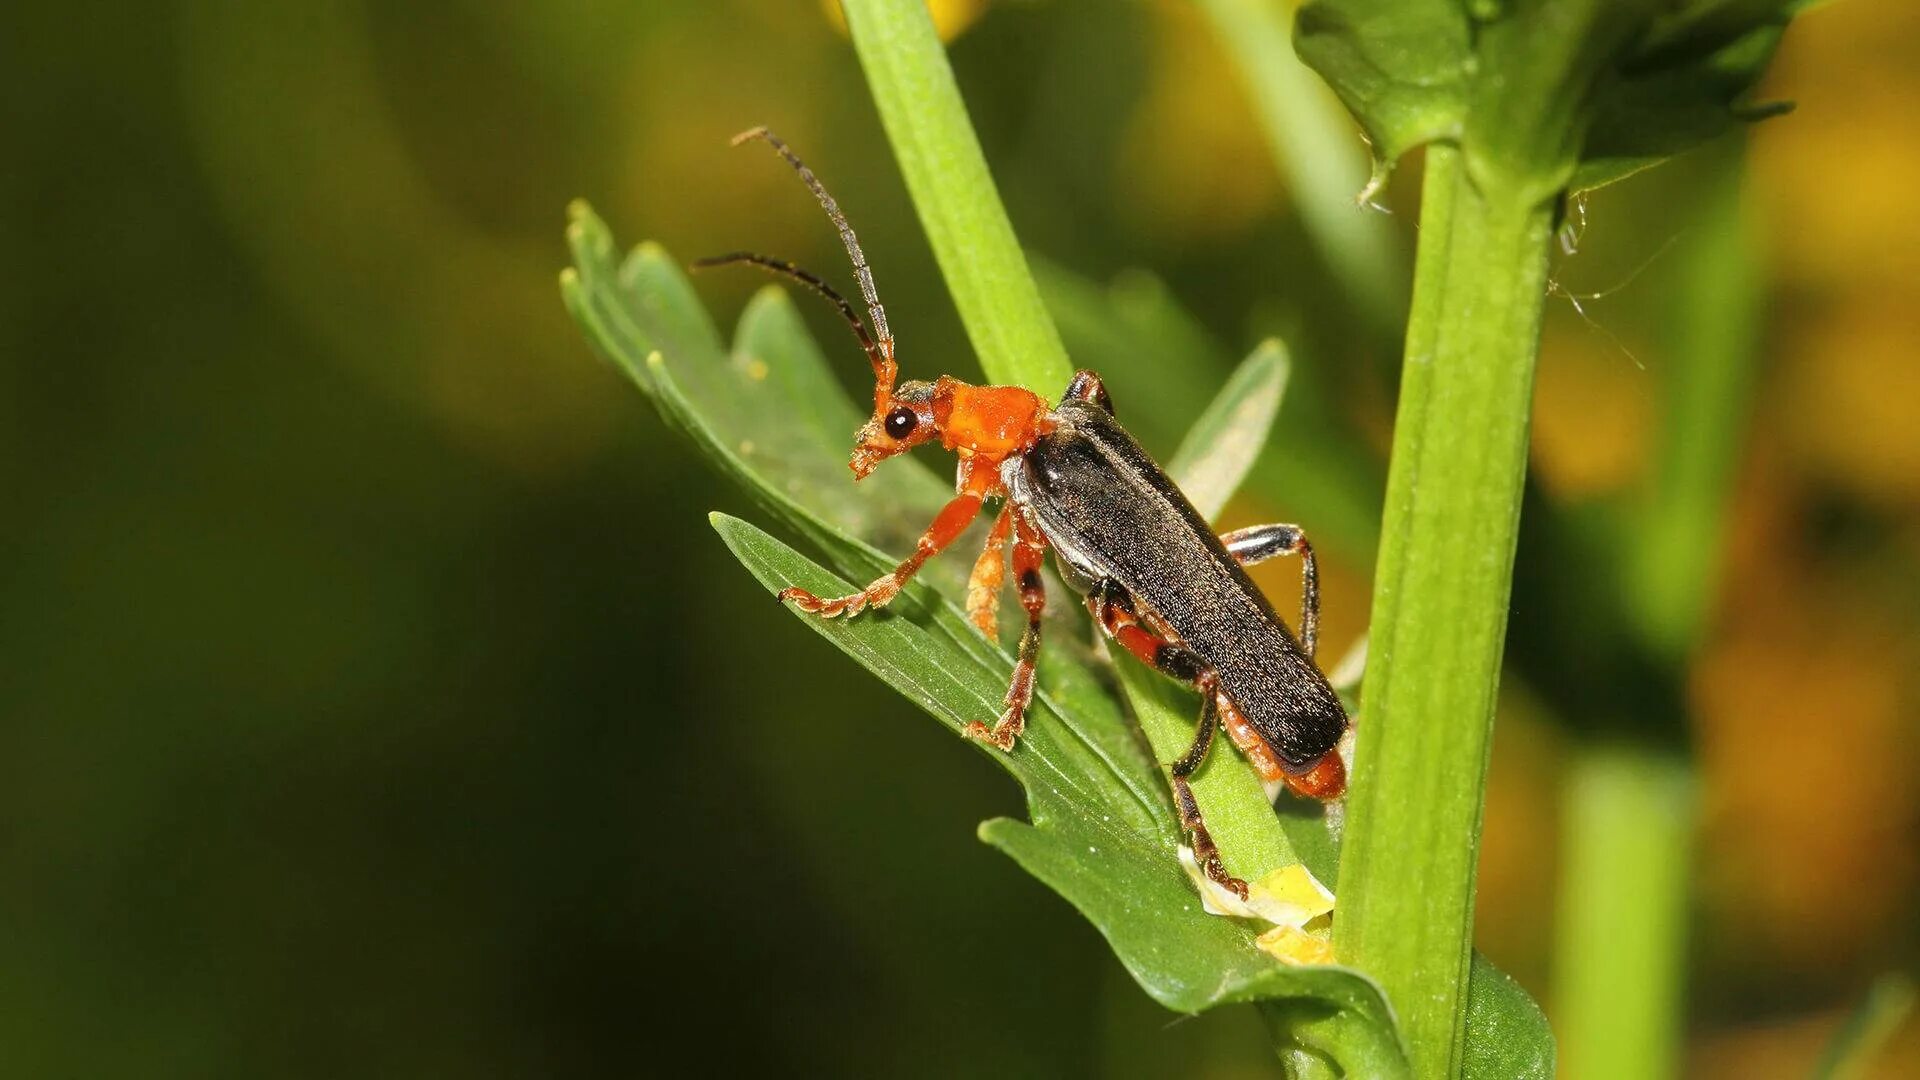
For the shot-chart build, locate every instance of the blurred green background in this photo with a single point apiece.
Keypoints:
(377, 700)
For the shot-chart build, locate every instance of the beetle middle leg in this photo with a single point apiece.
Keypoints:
(1029, 548)
(983, 585)
(1258, 543)
(1114, 609)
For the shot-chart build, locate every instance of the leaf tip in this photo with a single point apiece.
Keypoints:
(729, 527)
(1272, 352)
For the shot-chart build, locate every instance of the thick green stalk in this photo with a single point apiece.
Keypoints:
(1440, 601)
(1620, 958)
(927, 125)
(1311, 139)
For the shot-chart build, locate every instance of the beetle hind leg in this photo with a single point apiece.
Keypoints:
(1029, 547)
(1258, 543)
(1114, 610)
(1205, 851)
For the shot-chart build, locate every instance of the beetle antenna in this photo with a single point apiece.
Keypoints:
(805, 277)
(880, 346)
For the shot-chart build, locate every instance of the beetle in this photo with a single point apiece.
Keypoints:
(1070, 479)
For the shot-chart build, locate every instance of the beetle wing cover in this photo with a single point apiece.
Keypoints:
(1097, 493)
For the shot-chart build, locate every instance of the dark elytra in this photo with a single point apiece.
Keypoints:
(1105, 504)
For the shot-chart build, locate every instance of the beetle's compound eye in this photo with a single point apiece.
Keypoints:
(901, 422)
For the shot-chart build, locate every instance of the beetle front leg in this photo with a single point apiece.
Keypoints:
(1113, 607)
(951, 522)
(1257, 543)
(1029, 548)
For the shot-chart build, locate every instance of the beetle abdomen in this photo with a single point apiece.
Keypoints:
(1110, 511)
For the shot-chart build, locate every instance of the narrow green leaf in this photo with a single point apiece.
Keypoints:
(1223, 444)
(1620, 931)
(960, 208)
(1312, 143)
(771, 333)
(1714, 322)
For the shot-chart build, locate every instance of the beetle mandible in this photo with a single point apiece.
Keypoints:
(1154, 576)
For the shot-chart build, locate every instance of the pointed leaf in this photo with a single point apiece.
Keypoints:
(1223, 444)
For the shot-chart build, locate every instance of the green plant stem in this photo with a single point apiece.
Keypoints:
(1440, 603)
(926, 123)
(1311, 139)
(1713, 338)
(1620, 955)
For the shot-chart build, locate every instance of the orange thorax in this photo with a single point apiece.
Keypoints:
(991, 421)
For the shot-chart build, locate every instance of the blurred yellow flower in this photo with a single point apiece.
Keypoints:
(951, 18)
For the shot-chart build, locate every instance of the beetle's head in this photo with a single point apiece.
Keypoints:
(903, 418)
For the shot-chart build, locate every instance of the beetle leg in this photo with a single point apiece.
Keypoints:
(1086, 386)
(1029, 547)
(1113, 607)
(1258, 543)
(1205, 851)
(950, 523)
(983, 585)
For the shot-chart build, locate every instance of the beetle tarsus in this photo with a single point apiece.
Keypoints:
(1004, 733)
(1204, 850)
(831, 607)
